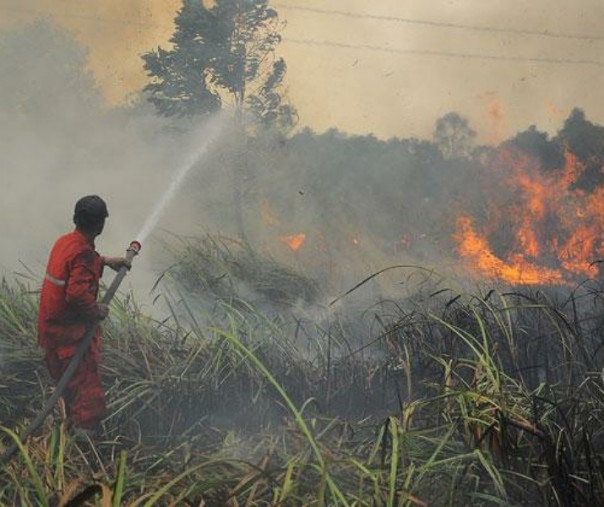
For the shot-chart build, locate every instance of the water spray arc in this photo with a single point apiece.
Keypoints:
(131, 252)
(211, 132)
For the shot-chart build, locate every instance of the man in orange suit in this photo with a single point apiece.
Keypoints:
(68, 304)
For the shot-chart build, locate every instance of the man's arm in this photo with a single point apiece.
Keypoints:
(116, 263)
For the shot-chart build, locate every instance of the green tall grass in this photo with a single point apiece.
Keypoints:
(449, 399)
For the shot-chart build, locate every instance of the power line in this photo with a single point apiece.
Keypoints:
(427, 52)
(311, 42)
(541, 33)
(461, 26)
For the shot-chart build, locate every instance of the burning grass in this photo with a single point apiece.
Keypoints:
(456, 399)
(541, 226)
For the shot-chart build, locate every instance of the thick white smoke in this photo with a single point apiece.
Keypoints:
(58, 143)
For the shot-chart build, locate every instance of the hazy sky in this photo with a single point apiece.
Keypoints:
(386, 92)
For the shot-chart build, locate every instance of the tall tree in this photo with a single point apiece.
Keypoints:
(223, 53)
(453, 136)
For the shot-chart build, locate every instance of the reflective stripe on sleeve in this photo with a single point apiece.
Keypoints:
(56, 281)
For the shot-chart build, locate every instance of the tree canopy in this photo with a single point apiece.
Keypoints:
(453, 136)
(223, 54)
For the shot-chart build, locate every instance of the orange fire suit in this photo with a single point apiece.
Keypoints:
(67, 305)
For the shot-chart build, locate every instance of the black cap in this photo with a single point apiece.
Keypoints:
(90, 210)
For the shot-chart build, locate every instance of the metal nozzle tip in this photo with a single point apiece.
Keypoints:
(136, 246)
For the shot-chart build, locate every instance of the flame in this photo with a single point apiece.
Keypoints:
(476, 248)
(294, 242)
(548, 230)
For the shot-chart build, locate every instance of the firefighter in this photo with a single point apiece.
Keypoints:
(68, 304)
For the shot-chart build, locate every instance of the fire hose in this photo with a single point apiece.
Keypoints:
(91, 328)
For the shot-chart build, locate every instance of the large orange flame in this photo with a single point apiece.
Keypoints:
(476, 249)
(553, 230)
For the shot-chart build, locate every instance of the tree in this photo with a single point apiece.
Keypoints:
(585, 140)
(221, 54)
(582, 137)
(536, 143)
(453, 136)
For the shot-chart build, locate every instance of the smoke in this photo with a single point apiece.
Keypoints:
(58, 143)
(354, 204)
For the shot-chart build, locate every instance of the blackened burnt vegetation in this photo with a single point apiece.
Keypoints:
(496, 396)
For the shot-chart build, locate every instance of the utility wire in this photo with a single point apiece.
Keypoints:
(397, 19)
(448, 54)
(310, 42)
(460, 26)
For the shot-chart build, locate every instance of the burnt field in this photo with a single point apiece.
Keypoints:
(439, 398)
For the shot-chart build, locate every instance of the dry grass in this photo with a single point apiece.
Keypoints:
(492, 399)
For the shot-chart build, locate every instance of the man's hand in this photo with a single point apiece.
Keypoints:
(103, 310)
(117, 263)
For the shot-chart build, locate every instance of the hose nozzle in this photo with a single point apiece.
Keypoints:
(133, 250)
(135, 247)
